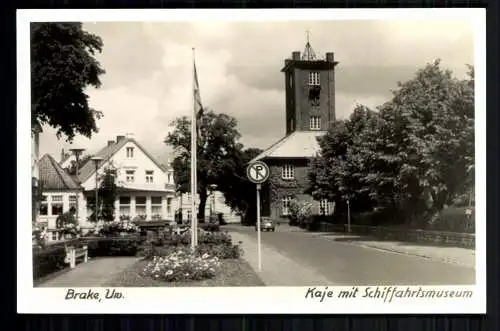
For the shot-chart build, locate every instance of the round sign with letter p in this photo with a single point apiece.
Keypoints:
(258, 172)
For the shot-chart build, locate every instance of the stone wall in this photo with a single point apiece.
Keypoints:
(456, 239)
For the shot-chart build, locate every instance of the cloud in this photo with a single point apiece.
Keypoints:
(148, 80)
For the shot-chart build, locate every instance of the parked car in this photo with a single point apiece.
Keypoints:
(266, 224)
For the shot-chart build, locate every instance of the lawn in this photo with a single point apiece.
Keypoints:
(233, 272)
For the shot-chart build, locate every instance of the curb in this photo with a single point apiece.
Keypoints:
(405, 253)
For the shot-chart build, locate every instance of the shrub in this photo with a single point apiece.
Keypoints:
(49, 259)
(109, 246)
(182, 265)
(217, 244)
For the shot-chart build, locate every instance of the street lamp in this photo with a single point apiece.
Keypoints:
(96, 160)
(77, 152)
(212, 205)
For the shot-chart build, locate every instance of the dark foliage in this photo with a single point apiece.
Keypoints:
(63, 66)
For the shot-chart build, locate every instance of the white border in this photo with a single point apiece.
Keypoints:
(236, 300)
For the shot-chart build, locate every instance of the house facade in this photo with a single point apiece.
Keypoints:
(144, 187)
(59, 193)
(215, 202)
(310, 112)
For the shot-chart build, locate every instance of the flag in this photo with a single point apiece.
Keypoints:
(198, 107)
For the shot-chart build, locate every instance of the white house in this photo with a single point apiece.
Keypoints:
(145, 187)
(59, 193)
(215, 203)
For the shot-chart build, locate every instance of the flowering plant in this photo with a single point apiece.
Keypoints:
(124, 217)
(114, 227)
(156, 217)
(39, 236)
(182, 265)
(70, 228)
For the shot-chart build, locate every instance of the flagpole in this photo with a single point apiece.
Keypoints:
(194, 218)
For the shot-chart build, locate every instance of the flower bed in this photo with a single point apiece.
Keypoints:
(218, 244)
(182, 264)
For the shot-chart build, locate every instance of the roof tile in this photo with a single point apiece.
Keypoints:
(298, 144)
(53, 176)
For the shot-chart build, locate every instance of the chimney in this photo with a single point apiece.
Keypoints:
(63, 155)
(111, 142)
(119, 138)
(296, 55)
(329, 57)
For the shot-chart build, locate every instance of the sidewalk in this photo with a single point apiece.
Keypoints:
(94, 273)
(277, 269)
(454, 255)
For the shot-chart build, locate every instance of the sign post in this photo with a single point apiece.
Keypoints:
(258, 173)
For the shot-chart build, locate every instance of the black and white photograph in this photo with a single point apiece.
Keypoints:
(330, 160)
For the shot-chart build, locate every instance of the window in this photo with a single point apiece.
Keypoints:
(285, 205)
(140, 206)
(169, 206)
(55, 235)
(44, 206)
(56, 205)
(324, 207)
(188, 214)
(315, 123)
(130, 152)
(149, 176)
(124, 206)
(156, 207)
(290, 77)
(72, 201)
(129, 176)
(314, 78)
(287, 172)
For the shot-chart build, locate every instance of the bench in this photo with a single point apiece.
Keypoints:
(73, 253)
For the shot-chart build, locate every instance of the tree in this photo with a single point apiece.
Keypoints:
(239, 192)
(411, 158)
(62, 67)
(217, 150)
(106, 196)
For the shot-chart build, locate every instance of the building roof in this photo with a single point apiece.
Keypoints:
(298, 144)
(88, 169)
(53, 176)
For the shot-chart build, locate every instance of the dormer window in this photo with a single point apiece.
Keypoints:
(130, 152)
(149, 176)
(314, 78)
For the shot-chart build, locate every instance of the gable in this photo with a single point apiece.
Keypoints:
(299, 144)
(116, 155)
(53, 177)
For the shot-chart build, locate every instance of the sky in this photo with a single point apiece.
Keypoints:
(148, 80)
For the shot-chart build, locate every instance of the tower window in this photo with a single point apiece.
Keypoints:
(314, 78)
(288, 171)
(315, 123)
(290, 80)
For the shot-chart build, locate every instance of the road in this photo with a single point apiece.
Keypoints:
(345, 263)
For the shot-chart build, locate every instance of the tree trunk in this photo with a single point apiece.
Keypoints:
(201, 207)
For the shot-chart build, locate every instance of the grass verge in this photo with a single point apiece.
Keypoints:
(234, 272)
